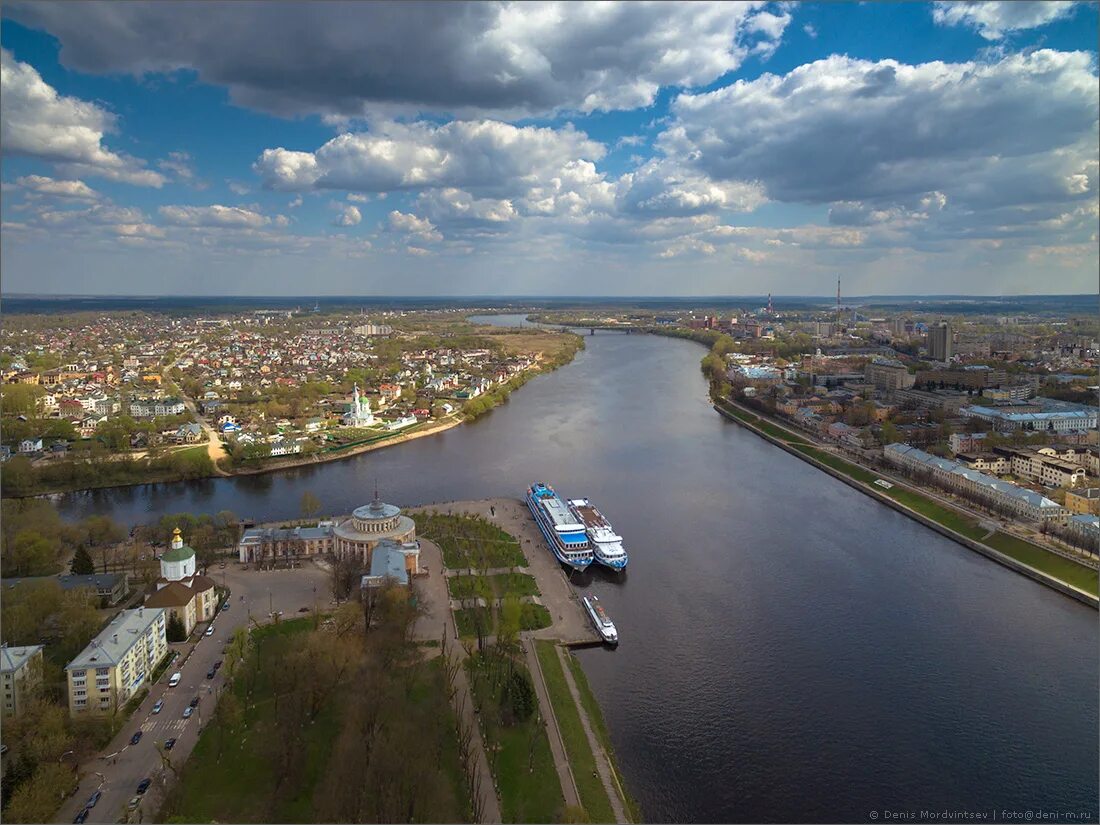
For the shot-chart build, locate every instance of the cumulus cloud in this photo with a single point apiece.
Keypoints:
(415, 227)
(349, 216)
(994, 19)
(963, 145)
(57, 188)
(356, 198)
(460, 57)
(38, 122)
(487, 154)
(216, 215)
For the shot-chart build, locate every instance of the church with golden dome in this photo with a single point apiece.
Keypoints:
(180, 590)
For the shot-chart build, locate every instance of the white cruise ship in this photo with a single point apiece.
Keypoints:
(607, 545)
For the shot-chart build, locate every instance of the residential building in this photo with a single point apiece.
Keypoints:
(958, 478)
(950, 401)
(21, 669)
(940, 342)
(966, 442)
(1042, 465)
(117, 662)
(888, 374)
(1084, 501)
(110, 587)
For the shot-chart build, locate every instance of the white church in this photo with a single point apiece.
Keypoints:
(180, 590)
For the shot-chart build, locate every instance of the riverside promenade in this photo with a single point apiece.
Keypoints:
(569, 627)
(960, 524)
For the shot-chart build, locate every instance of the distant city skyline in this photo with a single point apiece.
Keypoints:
(550, 149)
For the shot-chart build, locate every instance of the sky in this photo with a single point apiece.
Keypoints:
(544, 148)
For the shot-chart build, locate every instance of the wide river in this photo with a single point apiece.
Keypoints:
(791, 649)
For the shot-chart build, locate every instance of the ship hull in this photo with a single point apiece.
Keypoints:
(577, 560)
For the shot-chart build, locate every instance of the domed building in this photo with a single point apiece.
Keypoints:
(370, 525)
(180, 591)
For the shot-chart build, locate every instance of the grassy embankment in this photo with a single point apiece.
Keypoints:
(471, 542)
(515, 738)
(583, 763)
(1059, 567)
(244, 769)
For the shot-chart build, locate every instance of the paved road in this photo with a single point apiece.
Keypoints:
(121, 766)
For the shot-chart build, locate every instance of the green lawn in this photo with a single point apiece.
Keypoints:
(519, 754)
(229, 776)
(595, 718)
(470, 541)
(583, 763)
(765, 426)
(500, 585)
(531, 617)
(1058, 566)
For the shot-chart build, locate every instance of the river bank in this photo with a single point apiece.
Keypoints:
(781, 635)
(934, 516)
(18, 481)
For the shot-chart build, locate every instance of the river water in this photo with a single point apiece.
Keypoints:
(791, 650)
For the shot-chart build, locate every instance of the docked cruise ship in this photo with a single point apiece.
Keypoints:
(564, 534)
(607, 545)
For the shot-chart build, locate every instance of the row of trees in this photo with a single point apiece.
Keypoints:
(21, 478)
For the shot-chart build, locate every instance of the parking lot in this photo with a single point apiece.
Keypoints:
(118, 770)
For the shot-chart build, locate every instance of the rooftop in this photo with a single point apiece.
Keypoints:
(127, 627)
(13, 658)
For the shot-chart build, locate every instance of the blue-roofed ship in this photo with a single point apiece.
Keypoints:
(607, 545)
(564, 534)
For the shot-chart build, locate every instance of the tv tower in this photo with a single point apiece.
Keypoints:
(838, 301)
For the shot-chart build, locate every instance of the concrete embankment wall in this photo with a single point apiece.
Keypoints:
(988, 552)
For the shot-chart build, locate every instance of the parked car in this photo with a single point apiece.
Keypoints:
(94, 798)
(218, 665)
(134, 803)
(159, 706)
(143, 785)
(210, 674)
(210, 630)
(187, 712)
(169, 744)
(194, 702)
(175, 680)
(225, 606)
(135, 738)
(80, 817)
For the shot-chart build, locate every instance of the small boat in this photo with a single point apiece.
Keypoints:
(604, 626)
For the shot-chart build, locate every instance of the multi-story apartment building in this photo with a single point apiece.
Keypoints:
(117, 662)
(958, 478)
(941, 343)
(888, 374)
(1042, 466)
(21, 668)
(1085, 501)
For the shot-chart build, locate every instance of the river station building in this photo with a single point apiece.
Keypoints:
(352, 538)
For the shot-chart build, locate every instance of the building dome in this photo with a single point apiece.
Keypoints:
(370, 524)
(178, 562)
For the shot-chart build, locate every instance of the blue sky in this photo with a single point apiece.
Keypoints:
(544, 148)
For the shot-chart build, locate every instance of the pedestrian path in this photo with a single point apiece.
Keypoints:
(607, 773)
